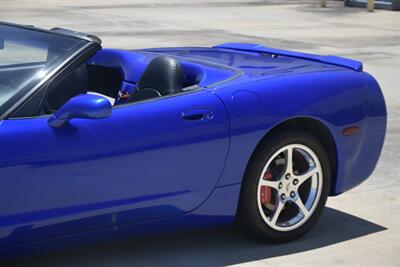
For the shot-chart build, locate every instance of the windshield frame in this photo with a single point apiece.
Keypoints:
(92, 41)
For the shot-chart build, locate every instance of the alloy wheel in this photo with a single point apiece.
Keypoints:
(289, 187)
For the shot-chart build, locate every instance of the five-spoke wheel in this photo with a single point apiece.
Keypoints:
(289, 187)
(285, 187)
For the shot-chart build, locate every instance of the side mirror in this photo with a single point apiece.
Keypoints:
(81, 107)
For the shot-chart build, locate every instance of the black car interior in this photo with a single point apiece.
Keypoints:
(163, 76)
(84, 79)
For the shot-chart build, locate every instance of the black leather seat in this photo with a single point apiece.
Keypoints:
(163, 76)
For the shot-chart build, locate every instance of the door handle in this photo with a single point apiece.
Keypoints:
(197, 114)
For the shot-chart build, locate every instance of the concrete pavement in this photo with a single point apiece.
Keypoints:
(359, 228)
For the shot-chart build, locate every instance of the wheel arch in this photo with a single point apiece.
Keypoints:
(316, 128)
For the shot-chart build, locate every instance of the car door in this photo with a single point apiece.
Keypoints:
(148, 160)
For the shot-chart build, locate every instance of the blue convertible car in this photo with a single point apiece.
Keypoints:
(106, 141)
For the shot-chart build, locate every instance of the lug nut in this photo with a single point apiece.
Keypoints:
(288, 176)
(283, 196)
(295, 181)
(280, 185)
(292, 194)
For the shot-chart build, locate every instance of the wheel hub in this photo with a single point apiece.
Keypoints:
(288, 189)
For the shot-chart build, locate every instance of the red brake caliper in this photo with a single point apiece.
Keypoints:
(266, 191)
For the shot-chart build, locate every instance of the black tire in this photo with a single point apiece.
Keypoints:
(248, 215)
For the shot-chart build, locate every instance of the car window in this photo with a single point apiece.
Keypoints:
(14, 53)
(27, 56)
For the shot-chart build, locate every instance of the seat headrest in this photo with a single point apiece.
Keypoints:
(164, 74)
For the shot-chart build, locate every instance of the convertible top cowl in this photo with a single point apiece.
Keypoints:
(334, 60)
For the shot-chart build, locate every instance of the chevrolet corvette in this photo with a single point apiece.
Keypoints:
(96, 140)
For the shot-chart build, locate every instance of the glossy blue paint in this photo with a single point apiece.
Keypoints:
(219, 209)
(334, 60)
(142, 163)
(81, 107)
(249, 65)
(147, 168)
(291, 88)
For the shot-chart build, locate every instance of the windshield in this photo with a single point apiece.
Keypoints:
(27, 56)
